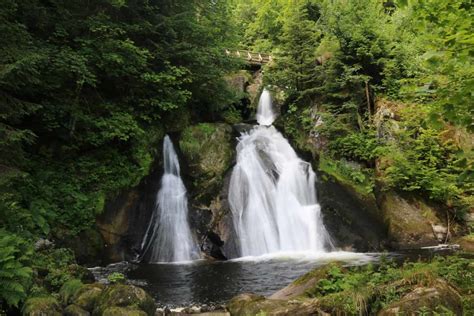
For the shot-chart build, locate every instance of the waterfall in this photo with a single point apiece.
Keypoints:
(265, 114)
(272, 193)
(168, 237)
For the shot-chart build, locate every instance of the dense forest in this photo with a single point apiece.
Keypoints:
(378, 93)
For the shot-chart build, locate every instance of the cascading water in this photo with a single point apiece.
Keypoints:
(265, 114)
(272, 193)
(168, 237)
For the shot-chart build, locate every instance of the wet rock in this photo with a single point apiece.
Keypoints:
(409, 221)
(133, 298)
(74, 310)
(42, 306)
(436, 298)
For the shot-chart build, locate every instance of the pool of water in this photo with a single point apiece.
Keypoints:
(214, 283)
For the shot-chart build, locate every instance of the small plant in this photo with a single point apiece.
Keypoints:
(116, 277)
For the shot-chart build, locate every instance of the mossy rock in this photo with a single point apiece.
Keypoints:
(74, 310)
(121, 295)
(251, 304)
(123, 311)
(69, 290)
(438, 298)
(208, 151)
(88, 296)
(409, 221)
(42, 306)
(304, 283)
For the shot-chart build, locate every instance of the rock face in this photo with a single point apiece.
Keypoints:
(436, 298)
(208, 151)
(353, 220)
(410, 221)
(126, 216)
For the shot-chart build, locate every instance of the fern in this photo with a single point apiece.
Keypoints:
(15, 277)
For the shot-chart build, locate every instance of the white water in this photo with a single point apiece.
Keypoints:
(265, 114)
(272, 193)
(168, 237)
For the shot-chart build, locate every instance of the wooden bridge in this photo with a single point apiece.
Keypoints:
(256, 59)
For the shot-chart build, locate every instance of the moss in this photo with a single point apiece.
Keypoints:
(74, 310)
(121, 295)
(123, 311)
(69, 290)
(208, 151)
(42, 306)
(88, 296)
(349, 176)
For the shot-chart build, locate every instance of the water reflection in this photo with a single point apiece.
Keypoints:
(212, 283)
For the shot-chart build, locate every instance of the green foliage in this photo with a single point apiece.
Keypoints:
(57, 267)
(69, 289)
(15, 273)
(85, 92)
(385, 283)
(232, 115)
(424, 160)
(116, 277)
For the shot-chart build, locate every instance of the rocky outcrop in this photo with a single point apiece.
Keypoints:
(411, 222)
(126, 216)
(439, 297)
(208, 151)
(353, 219)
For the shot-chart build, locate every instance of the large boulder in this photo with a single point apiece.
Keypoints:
(88, 296)
(132, 298)
(42, 306)
(439, 297)
(410, 221)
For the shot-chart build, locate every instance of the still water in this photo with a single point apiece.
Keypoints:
(213, 283)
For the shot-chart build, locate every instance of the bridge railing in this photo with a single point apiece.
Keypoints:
(249, 56)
